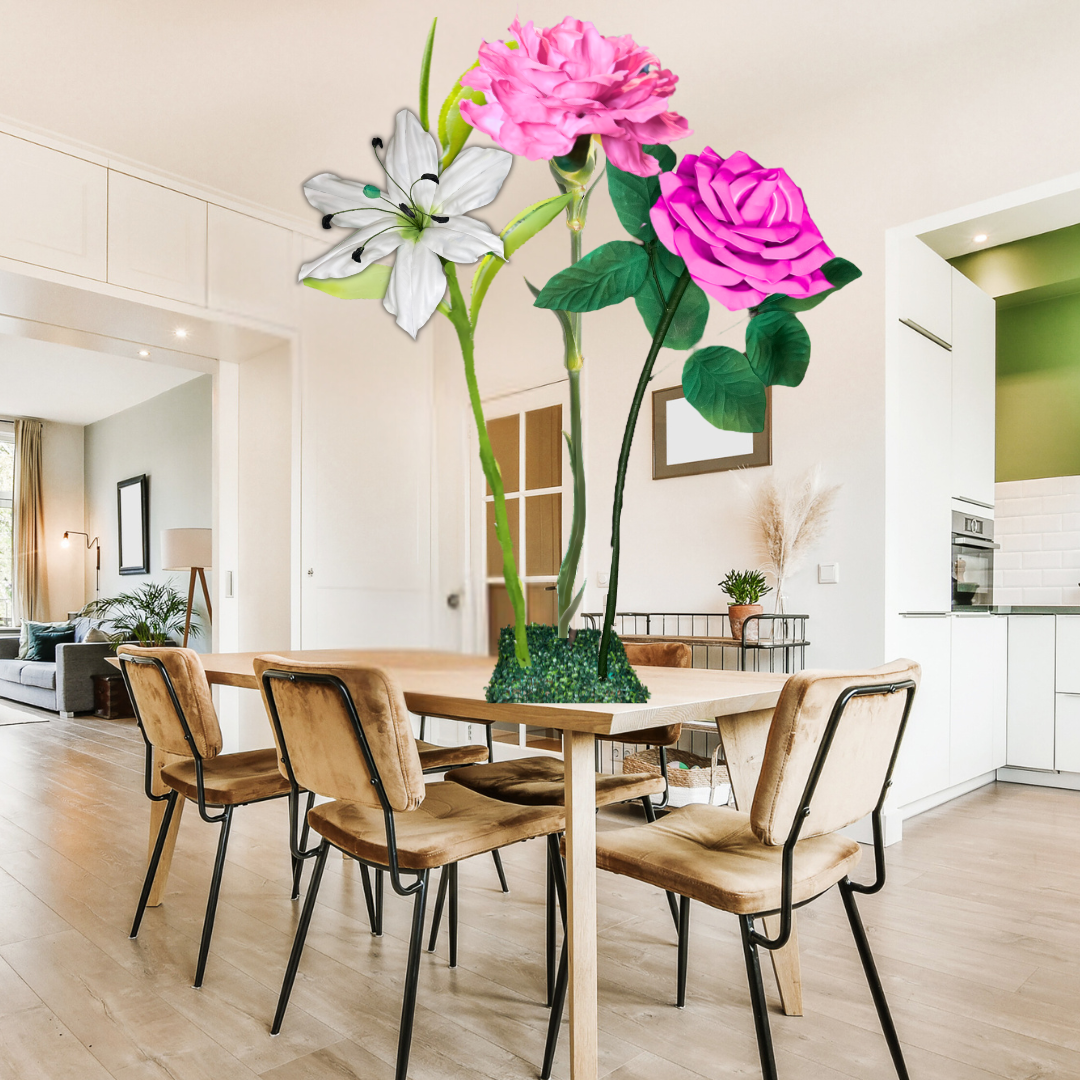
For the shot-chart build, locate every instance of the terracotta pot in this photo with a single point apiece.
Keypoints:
(737, 613)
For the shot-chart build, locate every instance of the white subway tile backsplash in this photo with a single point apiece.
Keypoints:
(1047, 485)
(1070, 522)
(1059, 579)
(1012, 596)
(1041, 597)
(1041, 560)
(1062, 541)
(1070, 485)
(1042, 523)
(1009, 560)
(1068, 558)
(1070, 597)
(1008, 526)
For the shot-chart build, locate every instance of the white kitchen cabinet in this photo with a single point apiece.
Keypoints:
(250, 267)
(926, 289)
(974, 381)
(1068, 654)
(53, 208)
(1031, 692)
(923, 766)
(977, 694)
(1067, 733)
(157, 239)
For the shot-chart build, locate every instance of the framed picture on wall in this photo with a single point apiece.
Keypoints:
(133, 526)
(685, 443)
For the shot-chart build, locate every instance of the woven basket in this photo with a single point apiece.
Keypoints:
(700, 771)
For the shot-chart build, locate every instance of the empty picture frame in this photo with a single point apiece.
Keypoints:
(133, 524)
(685, 443)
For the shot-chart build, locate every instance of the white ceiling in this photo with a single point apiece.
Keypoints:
(76, 386)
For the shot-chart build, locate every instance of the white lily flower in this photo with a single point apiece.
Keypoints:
(420, 214)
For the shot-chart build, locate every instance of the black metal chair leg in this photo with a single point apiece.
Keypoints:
(379, 875)
(555, 1017)
(550, 930)
(412, 978)
(440, 901)
(369, 898)
(684, 950)
(298, 864)
(650, 816)
(499, 870)
(453, 914)
(212, 899)
(301, 936)
(155, 859)
(858, 931)
(757, 999)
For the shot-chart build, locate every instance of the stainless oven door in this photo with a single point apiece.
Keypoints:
(972, 572)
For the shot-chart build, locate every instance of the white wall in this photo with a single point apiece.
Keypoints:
(169, 439)
(62, 494)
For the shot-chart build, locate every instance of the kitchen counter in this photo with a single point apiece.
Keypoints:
(1006, 609)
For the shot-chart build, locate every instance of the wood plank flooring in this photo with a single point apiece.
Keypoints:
(977, 936)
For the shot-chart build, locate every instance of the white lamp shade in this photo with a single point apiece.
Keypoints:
(182, 549)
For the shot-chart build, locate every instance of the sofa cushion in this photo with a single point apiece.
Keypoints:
(26, 629)
(38, 673)
(42, 640)
(11, 669)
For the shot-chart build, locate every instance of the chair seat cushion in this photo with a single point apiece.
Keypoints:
(452, 823)
(230, 779)
(448, 757)
(710, 853)
(539, 781)
(38, 673)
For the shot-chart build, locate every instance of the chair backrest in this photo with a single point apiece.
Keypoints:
(857, 763)
(659, 654)
(164, 729)
(319, 736)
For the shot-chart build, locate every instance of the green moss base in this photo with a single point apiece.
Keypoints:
(561, 671)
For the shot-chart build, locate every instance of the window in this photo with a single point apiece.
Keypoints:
(7, 540)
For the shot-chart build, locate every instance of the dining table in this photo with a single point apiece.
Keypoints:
(452, 686)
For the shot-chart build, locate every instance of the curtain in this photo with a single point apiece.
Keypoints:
(29, 522)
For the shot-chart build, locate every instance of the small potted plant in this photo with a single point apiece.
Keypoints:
(744, 589)
(152, 614)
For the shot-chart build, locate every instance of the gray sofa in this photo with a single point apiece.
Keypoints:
(66, 687)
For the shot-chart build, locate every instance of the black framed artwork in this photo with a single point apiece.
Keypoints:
(685, 443)
(133, 524)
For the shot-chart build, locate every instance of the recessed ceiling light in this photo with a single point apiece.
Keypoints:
(181, 332)
(144, 352)
(979, 238)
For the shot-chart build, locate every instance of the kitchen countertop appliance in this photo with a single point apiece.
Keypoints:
(973, 550)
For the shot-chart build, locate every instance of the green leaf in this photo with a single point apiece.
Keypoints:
(369, 284)
(521, 228)
(425, 74)
(634, 196)
(722, 386)
(778, 347)
(838, 271)
(454, 129)
(606, 276)
(692, 313)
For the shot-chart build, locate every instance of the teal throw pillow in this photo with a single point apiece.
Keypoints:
(24, 634)
(42, 640)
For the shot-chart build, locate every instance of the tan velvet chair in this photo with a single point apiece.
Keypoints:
(828, 763)
(342, 731)
(175, 713)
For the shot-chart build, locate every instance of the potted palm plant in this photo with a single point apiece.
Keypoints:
(744, 589)
(152, 614)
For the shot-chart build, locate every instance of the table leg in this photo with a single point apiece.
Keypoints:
(744, 737)
(157, 812)
(581, 899)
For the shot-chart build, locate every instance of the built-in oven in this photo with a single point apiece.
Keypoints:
(973, 550)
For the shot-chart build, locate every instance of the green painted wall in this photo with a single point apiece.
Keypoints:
(1036, 282)
(1038, 389)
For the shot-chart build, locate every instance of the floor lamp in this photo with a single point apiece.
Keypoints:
(189, 549)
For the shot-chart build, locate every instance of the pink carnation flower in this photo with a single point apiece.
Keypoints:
(742, 230)
(568, 81)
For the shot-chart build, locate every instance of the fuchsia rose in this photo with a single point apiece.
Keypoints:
(742, 230)
(568, 81)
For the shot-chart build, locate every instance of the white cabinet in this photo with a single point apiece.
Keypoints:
(1031, 692)
(1067, 733)
(250, 267)
(157, 239)
(1068, 654)
(923, 767)
(926, 289)
(53, 208)
(978, 692)
(974, 381)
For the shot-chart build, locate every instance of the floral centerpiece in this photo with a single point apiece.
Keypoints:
(706, 227)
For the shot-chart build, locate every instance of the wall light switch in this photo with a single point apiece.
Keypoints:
(601, 579)
(828, 573)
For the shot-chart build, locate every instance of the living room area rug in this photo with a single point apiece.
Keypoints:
(12, 713)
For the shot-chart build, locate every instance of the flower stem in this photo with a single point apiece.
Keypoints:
(670, 307)
(458, 314)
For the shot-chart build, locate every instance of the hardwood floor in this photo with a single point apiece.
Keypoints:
(977, 936)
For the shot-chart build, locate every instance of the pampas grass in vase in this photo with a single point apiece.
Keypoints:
(789, 517)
